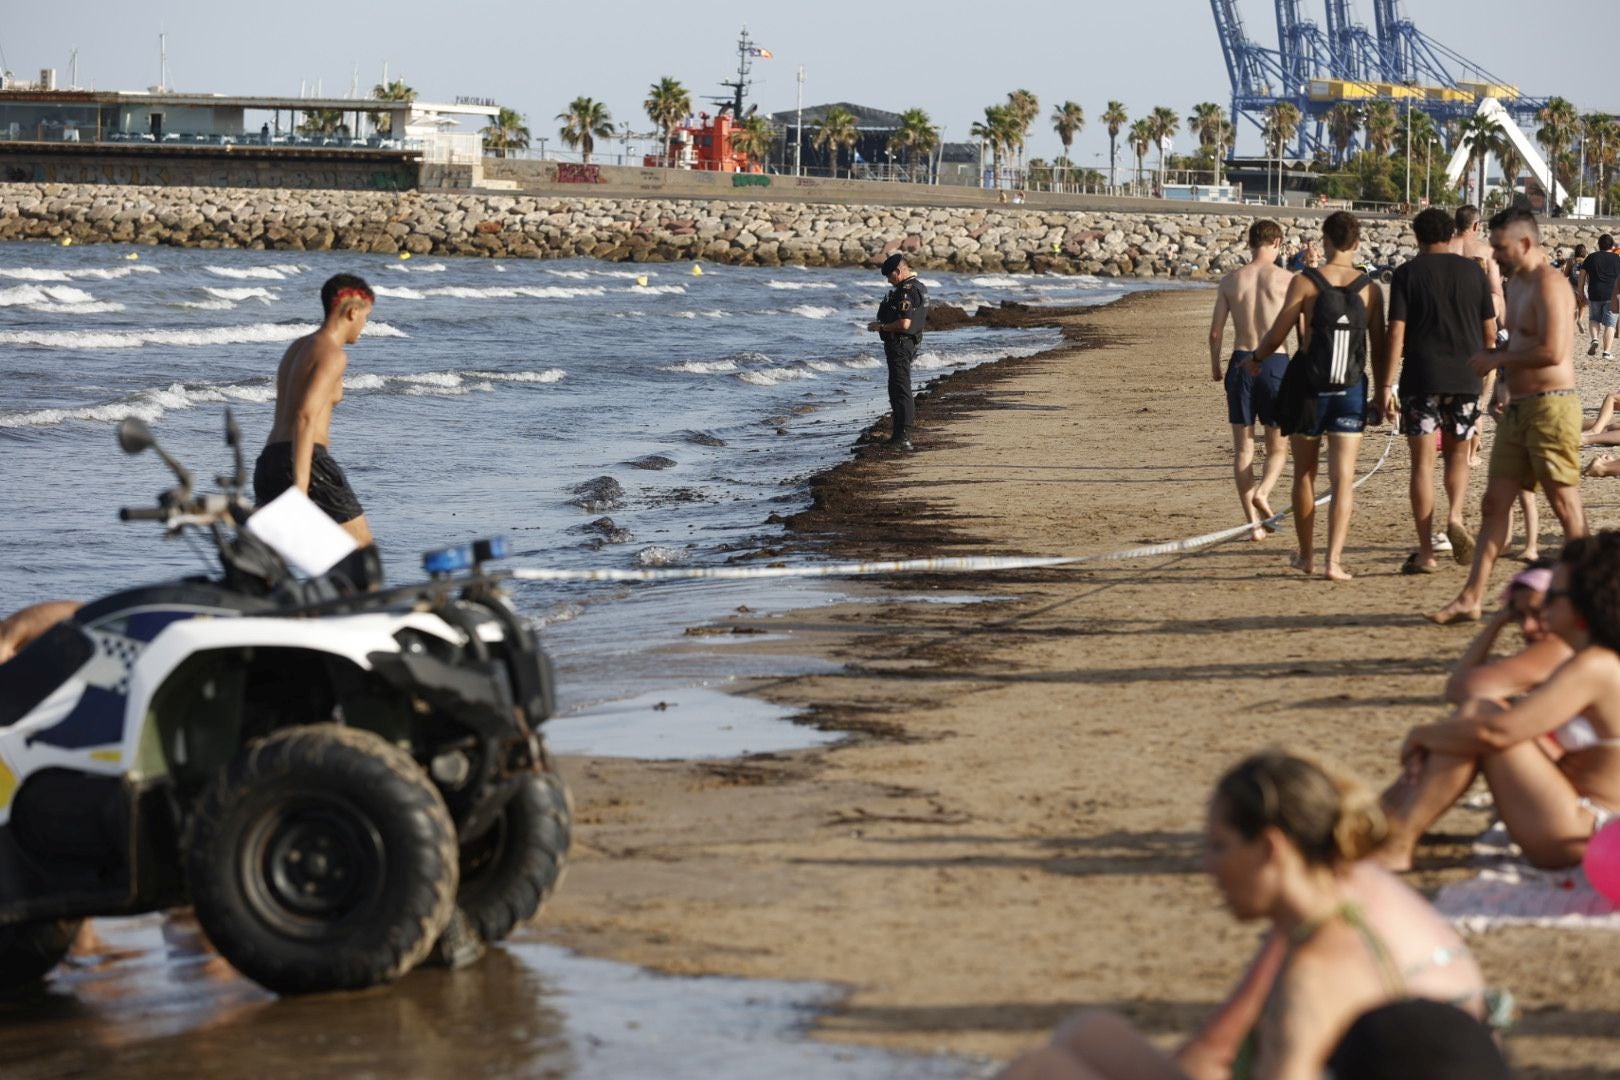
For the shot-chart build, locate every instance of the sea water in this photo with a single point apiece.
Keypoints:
(480, 397)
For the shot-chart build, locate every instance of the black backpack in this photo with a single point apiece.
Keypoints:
(1337, 356)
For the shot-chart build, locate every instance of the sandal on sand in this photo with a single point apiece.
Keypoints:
(1462, 545)
(1413, 566)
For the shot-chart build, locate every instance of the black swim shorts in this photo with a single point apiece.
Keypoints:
(328, 487)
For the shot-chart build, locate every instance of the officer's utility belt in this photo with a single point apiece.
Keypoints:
(915, 339)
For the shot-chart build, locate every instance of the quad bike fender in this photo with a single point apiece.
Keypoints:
(355, 638)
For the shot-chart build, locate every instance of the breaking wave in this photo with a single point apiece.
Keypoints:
(255, 333)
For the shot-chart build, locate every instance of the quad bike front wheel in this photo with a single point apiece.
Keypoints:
(509, 871)
(322, 858)
(28, 951)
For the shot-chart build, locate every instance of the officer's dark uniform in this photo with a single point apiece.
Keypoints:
(907, 300)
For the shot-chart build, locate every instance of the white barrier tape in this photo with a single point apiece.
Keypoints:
(940, 565)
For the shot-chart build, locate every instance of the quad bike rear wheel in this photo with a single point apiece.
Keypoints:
(28, 951)
(508, 872)
(322, 858)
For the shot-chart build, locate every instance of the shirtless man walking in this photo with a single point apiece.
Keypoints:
(1538, 441)
(309, 384)
(1252, 295)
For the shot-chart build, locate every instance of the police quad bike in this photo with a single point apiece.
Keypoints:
(342, 780)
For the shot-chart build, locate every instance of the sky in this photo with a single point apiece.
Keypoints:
(949, 57)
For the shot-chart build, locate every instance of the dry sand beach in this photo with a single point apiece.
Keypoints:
(1013, 830)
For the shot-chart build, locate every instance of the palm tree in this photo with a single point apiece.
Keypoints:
(667, 104)
(999, 129)
(1208, 122)
(1281, 122)
(1381, 123)
(1114, 116)
(1602, 144)
(1140, 138)
(1343, 121)
(1067, 120)
(584, 122)
(834, 130)
(321, 122)
(383, 122)
(916, 134)
(1478, 137)
(1164, 122)
(506, 133)
(1559, 122)
(1507, 155)
(754, 136)
(1024, 108)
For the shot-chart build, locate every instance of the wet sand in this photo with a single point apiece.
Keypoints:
(1013, 829)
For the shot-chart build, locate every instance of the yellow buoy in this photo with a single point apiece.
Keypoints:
(67, 240)
(642, 280)
(404, 254)
(697, 271)
(132, 256)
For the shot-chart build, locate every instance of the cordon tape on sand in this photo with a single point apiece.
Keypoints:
(940, 565)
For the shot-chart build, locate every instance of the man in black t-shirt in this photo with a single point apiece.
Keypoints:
(1599, 275)
(1440, 313)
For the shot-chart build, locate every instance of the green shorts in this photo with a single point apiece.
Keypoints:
(1539, 440)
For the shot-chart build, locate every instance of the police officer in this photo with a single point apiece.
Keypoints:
(900, 324)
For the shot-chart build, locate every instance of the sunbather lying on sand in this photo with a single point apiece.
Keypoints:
(1550, 807)
(1283, 837)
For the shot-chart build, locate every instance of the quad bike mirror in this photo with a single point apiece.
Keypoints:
(233, 439)
(134, 436)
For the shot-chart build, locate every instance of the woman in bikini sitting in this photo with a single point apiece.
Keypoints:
(1282, 837)
(1550, 807)
(1477, 675)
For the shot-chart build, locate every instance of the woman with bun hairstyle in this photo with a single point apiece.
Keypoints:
(1283, 837)
(1553, 802)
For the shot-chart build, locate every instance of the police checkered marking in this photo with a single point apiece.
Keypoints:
(115, 656)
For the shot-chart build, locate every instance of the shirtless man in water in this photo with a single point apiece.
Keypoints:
(1538, 441)
(1252, 295)
(309, 384)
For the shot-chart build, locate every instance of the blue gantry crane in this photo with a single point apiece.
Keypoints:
(1316, 67)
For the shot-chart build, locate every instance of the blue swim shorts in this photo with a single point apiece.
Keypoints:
(1602, 314)
(1340, 412)
(1253, 397)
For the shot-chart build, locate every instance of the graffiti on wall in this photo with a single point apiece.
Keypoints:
(569, 172)
(750, 180)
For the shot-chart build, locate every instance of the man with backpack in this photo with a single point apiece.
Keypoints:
(1324, 391)
(1440, 313)
(1538, 440)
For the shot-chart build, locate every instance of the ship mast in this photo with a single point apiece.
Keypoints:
(745, 65)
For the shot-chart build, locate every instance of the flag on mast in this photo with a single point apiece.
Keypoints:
(763, 54)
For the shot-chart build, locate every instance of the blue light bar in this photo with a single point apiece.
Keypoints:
(448, 560)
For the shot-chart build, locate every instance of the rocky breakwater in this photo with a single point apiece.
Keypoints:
(1000, 239)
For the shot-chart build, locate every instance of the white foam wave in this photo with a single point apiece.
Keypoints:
(999, 281)
(822, 365)
(572, 275)
(801, 285)
(43, 294)
(550, 375)
(773, 376)
(703, 367)
(146, 405)
(254, 333)
(810, 311)
(650, 289)
(497, 292)
(364, 382)
(863, 362)
(254, 273)
(29, 273)
(248, 293)
(429, 268)
(207, 305)
(400, 293)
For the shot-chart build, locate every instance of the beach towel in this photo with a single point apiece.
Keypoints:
(1508, 891)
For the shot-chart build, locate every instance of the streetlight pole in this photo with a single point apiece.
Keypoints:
(1408, 152)
(1428, 170)
(798, 126)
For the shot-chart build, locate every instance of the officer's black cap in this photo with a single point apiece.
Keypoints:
(892, 263)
